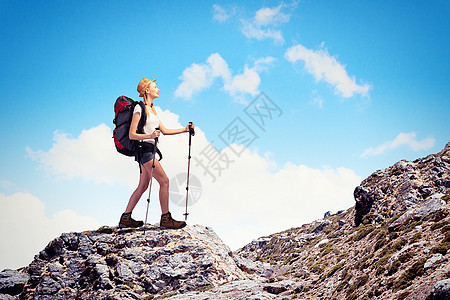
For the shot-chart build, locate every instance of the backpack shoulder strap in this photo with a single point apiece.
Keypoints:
(143, 120)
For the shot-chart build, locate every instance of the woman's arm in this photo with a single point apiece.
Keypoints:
(166, 131)
(139, 136)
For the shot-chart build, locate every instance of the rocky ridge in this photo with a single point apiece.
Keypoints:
(393, 244)
(402, 186)
(144, 263)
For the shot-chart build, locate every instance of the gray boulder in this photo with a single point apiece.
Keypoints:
(12, 282)
(424, 209)
(130, 264)
(441, 290)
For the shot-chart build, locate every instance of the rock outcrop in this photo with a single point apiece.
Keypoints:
(130, 264)
(393, 244)
(391, 191)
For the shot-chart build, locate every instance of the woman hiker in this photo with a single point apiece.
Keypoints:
(149, 91)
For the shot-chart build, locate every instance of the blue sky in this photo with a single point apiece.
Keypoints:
(354, 86)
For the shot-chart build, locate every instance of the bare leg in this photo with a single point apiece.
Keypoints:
(144, 179)
(161, 177)
(166, 218)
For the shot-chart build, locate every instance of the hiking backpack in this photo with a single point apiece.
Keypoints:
(123, 109)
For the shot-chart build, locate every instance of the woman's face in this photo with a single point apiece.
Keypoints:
(153, 90)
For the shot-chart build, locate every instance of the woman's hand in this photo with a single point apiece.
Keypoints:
(155, 134)
(190, 125)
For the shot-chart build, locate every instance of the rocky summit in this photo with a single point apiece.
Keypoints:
(144, 263)
(393, 244)
(404, 186)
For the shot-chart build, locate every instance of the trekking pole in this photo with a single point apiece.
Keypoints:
(191, 133)
(151, 179)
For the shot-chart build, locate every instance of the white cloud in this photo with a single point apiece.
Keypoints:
(261, 26)
(247, 82)
(252, 31)
(270, 16)
(263, 63)
(194, 78)
(218, 67)
(198, 77)
(26, 230)
(90, 156)
(325, 67)
(248, 199)
(317, 101)
(220, 14)
(403, 139)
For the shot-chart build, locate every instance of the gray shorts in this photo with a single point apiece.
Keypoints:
(146, 157)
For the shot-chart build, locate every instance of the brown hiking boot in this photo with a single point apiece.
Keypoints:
(127, 221)
(168, 222)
